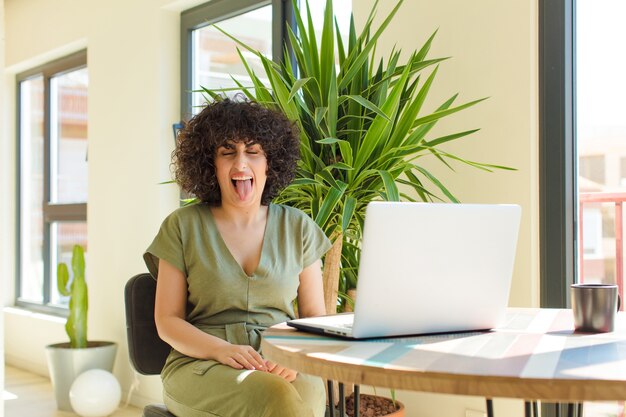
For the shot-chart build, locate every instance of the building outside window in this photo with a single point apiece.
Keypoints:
(215, 60)
(600, 137)
(52, 176)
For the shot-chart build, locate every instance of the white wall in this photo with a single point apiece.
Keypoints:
(5, 156)
(493, 45)
(133, 61)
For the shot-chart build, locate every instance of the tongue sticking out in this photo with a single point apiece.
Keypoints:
(244, 188)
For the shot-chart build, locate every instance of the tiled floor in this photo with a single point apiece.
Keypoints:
(29, 395)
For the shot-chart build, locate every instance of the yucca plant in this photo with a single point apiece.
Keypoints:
(363, 129)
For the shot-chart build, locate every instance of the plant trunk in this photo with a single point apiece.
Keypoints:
(330, 276)
(352, 294)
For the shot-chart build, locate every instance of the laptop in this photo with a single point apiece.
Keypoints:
(429, 268)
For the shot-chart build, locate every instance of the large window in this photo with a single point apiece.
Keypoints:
(582, 150)
(210, 58)
(52, 176)
(582, 145)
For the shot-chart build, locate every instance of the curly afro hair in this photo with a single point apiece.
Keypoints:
(234, 120)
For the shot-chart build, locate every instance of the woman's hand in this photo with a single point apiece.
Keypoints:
(239, 357)
(288, 374)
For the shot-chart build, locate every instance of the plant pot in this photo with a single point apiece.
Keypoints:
(65, 364)
(374, 406)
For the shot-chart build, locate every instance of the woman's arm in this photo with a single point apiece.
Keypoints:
(169, 314)
(311, 291)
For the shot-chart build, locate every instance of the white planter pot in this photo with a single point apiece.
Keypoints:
(65, 364)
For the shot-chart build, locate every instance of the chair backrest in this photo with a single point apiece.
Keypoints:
(147, 351)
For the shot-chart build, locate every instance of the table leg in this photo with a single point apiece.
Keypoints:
(527, 409)
(342, 400)
(356, 400)
(575, 410)
(331, 398)
(570, 409)
(489, 407)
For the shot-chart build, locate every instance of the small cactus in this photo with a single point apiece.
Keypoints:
(76, 325)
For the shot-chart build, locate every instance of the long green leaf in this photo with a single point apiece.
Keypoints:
(363, 55)
(245, 90)
(436, 142)
(367, 104)
(406, 120)
(426, 47)
(417, 185)
(312, 45)
(326, 176)
(346, 152)
(341, 166)
(333, 106)
(390, 186)
(296, 87)
(439, 114)
(320, 112)
(244, 45)
(327, 57)
(328, 206)
(305, 66)
(391, 79)
(340, 48)
(305, 181)
(480, 165)
(261, 92)
(348, 212)
(379, 130)
(437, 183)
(328, 141)
(418, 134)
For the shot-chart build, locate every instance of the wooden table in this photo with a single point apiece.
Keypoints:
(535, 355)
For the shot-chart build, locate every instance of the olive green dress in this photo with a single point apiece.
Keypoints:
(227, 303)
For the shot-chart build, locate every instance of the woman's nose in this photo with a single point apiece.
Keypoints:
(241, 161)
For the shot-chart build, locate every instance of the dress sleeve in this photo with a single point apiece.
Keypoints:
(167, 245)
(315, 242)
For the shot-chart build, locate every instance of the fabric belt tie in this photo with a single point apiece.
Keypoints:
(240, 333)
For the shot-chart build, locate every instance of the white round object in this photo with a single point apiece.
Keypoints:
(95, 393)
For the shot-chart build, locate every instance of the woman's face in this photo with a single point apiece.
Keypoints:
(241, 170)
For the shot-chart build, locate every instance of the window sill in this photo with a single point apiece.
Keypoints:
(23, 312)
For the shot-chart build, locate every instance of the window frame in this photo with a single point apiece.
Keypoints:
(51, 212)
(215, 11)
(557, 152)
(558, 218)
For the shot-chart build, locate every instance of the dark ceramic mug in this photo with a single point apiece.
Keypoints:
(594, 307)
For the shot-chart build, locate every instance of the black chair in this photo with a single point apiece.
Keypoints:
(146, 350)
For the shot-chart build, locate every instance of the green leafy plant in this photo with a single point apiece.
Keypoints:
(363, 129)
(76, 325)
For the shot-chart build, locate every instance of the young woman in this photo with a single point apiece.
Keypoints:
(231, 266)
